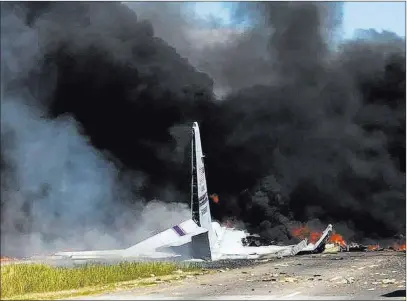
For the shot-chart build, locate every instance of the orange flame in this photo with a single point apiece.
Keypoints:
(398, 247)
(312, 236)
(214, 197)
(373, 247)
(337, 239)
(305, 232)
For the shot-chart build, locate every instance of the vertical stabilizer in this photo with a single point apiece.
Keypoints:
(201, 212)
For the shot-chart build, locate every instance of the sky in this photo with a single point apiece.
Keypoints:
(387, 15)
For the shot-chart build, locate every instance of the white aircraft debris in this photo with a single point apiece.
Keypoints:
(199, 238)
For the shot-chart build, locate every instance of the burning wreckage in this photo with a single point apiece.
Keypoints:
(199, 238)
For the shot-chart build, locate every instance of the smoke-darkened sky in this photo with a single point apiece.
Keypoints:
(378, 15)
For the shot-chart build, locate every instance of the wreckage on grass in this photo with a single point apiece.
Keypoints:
(199, 238)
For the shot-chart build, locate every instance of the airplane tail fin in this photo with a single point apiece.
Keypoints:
(201, 212)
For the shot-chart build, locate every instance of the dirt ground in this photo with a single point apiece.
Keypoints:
(357, 276)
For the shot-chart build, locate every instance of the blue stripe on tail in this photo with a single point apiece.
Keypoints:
(179, 231)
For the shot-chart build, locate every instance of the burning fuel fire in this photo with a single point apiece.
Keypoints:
(337, 239)
(313, 236)
(397, 247)
(373, 247)
(214, 197)
(304, 232)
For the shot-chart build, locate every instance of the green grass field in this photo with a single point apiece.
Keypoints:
(23, 279)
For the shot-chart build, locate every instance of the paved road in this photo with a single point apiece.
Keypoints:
(341, 276)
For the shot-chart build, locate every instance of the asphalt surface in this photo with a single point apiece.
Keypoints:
(342, 276)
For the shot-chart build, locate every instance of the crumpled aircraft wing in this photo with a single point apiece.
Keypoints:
(311, 248)
(176, 236)
(232, 248)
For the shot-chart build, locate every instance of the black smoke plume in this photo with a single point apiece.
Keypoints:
(325, 139)
(309, 129)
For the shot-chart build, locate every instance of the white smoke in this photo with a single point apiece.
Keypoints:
(69, 188)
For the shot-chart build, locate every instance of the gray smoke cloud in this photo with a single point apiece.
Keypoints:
(58, 191)
(234, 57)
(238, 56)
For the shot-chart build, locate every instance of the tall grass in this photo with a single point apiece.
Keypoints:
(19, 279)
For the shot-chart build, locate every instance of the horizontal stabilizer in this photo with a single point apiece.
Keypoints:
(175, 236)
